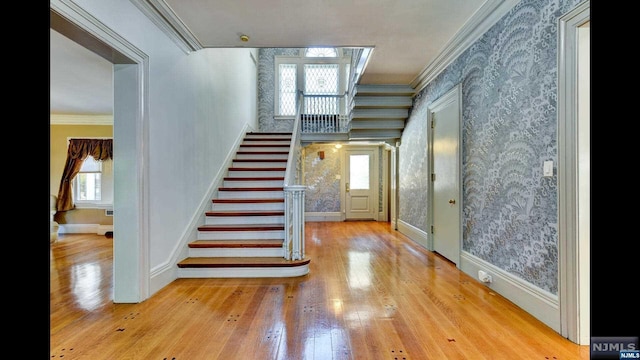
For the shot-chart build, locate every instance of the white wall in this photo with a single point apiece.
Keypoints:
(198, 105)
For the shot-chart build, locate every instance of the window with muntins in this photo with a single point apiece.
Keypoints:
(87, 184)
(317, 71)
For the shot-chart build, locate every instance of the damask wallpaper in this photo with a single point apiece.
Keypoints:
(323, 189)
(509, 86)
(266, 89)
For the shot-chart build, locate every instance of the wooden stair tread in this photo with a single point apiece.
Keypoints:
(231, 178)
(224, 262)
(262, 152)
(244, 213)
(258, 243)
(241, 227)
(269, 133)
(260, 160)
(250, 188)
(247, 201)
(266, 139)
(262, 145)
(257, 169)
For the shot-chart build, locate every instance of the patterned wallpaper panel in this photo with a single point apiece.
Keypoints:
(323, 189)
(266, 89)
(509, 127)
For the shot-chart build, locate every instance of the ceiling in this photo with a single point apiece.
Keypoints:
(406, 36)
(80, 81)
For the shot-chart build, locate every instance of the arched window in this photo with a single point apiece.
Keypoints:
(321, 52)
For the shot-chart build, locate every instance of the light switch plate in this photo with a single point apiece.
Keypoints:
(547, 168)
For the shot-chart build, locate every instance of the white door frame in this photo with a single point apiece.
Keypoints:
(454, 94)
(131, 274)
(573, 210)
(374, 176)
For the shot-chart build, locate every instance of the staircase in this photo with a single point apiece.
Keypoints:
(243, 233)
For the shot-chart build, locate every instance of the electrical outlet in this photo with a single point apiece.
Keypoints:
(484, 277)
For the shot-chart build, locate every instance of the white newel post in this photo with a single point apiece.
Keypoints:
(294, 222)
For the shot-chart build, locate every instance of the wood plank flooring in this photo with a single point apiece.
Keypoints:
(371, 293)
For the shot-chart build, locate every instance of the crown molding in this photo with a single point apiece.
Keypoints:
(163, 16)
(481, 21)
(71, 119)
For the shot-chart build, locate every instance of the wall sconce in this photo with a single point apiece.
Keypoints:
(321, 155)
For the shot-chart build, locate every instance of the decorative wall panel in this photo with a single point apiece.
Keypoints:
(323, 189)
(509, 85)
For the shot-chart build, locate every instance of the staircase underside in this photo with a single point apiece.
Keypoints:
(379, 113)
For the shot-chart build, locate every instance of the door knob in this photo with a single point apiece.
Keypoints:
(452, 201)
(347, 189)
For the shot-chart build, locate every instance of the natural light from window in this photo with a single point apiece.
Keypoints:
(321, 52)
(88, 182)
(320, 73)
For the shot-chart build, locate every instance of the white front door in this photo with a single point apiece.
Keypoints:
(361, 177)
(446, 204)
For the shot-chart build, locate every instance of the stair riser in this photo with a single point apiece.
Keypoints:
(248, 272)
(250, 194)
(382, 101)
(247, 207)
(237, 220)
(262, 156)
(380, 113)
(256, 173)
(280, 144)
(259, 164)
(243, 252)
(268, 136)
(253, 183)
(264, 148)
(240, 235)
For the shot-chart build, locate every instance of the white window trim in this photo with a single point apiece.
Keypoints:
(300, 60)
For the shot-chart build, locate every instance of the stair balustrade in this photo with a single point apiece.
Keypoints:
(294, 196)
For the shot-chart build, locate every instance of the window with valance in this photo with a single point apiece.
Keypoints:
(77, 152)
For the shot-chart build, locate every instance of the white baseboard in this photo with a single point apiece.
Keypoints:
(323, 216)
(540, 303)
(84, 229)
(103, 229)
(414, 233)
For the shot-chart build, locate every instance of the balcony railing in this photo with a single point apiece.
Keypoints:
(324, 114)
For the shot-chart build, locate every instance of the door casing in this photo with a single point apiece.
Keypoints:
(371, 195)
(445, 189)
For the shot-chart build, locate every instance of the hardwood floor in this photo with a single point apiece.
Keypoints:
(371, 293)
